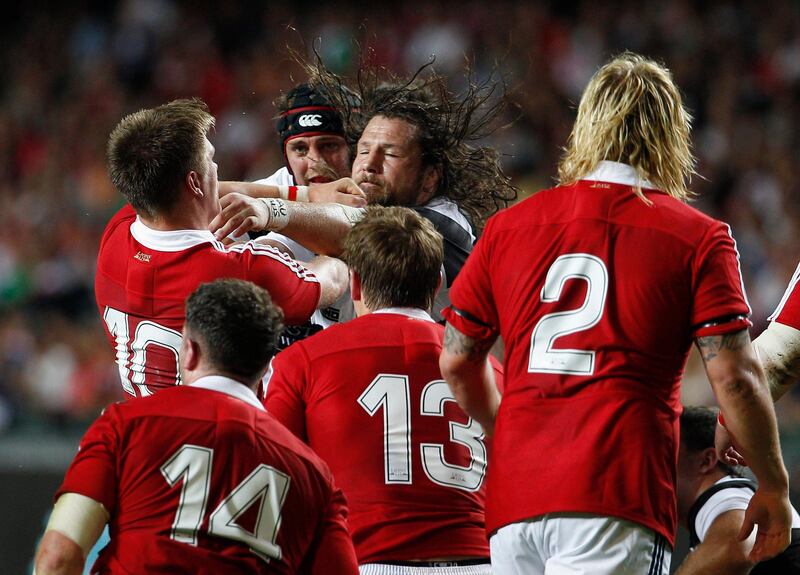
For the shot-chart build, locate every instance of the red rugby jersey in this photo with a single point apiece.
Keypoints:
(201, 479)
(788, 310)
(368, 397)
(597, 296)
(143, 279)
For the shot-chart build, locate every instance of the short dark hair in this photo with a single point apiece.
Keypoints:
(151, 151)
(450, 128)
(398, 255)
(237, 325)
(698, 427)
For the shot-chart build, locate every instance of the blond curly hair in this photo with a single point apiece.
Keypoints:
(632, 112)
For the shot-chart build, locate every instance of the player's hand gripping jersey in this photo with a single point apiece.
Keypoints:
(144, 276)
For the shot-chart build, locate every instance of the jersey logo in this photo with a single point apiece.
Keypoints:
(310, 120)
(142, 257)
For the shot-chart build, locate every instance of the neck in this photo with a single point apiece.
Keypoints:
(189, 377)
(181, 217)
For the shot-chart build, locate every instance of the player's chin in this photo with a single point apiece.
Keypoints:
(319, 180)
(375, 194)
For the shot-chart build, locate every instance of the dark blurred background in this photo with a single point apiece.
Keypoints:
(70, 71)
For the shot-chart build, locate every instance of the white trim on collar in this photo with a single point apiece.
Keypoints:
(230, 387)
(171, 241)
(617, 173)
(412, 312)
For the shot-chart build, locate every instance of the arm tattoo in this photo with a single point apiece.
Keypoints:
(710, 346)
(457, 343)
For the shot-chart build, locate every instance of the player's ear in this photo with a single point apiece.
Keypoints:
(192, 182)
(189, 354)
(355, 286)
(709, 460)
(430, 183)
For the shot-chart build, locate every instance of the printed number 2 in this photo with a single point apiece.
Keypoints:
(191, 466)
(543, 358)
(392, 393)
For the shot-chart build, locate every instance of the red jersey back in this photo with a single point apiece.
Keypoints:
(199, 481)
(788, 310)
(368, 397)
(143, 279)
(597, 296)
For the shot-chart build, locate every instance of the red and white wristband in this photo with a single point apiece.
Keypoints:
(721, 420)
(293, 193)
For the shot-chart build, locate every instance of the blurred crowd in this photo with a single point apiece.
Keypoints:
(69, 72)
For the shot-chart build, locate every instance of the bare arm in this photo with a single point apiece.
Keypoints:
(74, 527)
(333, 278)
(319, 227)
(465, 366)
(778, 349)
(344, 191)
(721, 550)
(741, 390)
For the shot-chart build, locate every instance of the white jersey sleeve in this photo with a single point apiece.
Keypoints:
(724, 500)
(280, 178)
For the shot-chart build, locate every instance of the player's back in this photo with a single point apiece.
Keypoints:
(598, 295)
(372, 403)
(209, 484)
(144, 276)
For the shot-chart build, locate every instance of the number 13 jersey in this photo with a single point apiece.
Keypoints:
(597, 296)
(369, 398)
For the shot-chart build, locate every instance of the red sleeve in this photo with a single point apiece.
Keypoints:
(788, 310)
(286, 387)
(718, 287)
(293, 287)
(333, 550)
(472, 310)
(499, 376)
(93, 472)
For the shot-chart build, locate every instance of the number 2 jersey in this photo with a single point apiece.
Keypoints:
(201, 479)
(597, 296)
(368, 397)
(143, 279)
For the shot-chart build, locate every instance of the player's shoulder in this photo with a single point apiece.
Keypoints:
(293, 448)
(120, 221)
(368, 332)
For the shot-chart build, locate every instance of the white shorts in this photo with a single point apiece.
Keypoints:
(578, 544)
(386, 569)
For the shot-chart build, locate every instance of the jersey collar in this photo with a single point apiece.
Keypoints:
(618, 173)
(230, 387)
(412, 312)
(171, 241)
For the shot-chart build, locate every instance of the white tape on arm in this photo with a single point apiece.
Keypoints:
(278, 212)
(778, 350)
(80, 518)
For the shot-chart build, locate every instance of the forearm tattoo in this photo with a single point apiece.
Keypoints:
(710, 346)
(457, 343)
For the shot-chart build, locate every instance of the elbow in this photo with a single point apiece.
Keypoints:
(58, 555)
